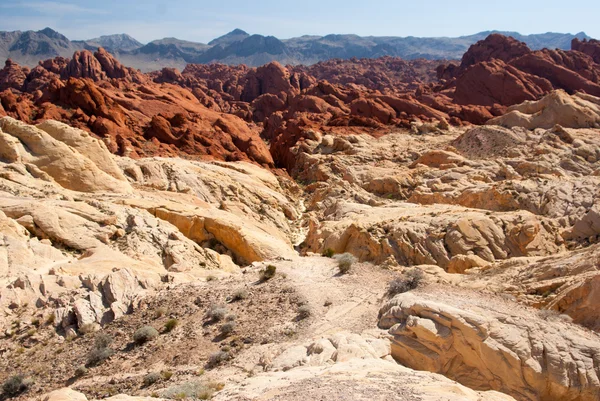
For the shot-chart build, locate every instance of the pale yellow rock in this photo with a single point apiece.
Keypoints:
(68, 167)
(573, 111)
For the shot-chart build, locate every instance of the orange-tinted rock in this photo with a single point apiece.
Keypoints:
(495, 46)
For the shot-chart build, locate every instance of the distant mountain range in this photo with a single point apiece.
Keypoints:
(239, 47)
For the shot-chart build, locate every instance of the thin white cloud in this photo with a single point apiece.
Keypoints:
(54, 8)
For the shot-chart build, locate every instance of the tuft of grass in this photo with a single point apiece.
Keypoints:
(171, 324)
(166, 375)
(345, 262)
(409, 281)
(144, 334)
(87, 328)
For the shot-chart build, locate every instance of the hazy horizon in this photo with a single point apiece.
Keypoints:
(187, 20)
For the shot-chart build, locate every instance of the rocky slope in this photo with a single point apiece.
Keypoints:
(403, 253)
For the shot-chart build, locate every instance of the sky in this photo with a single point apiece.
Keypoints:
(202, 21)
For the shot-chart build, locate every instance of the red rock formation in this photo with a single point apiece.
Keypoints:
(495, 46)
(494, 82)
(591, 48)
(12, 76)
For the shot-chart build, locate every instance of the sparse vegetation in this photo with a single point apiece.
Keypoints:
(345, 262)
(171, 324)
(50, 319)
(102, 340)
(144, 334)
(16, 385)
(239, 294)
(151, 378)
(98, 355)
(304, 312)
(166, 375)
(268, 273)
(217, 358)
(216, 313)
(228, 328)
(408, 281)
(328, 253)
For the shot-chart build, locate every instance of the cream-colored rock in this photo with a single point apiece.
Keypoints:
(485, 344)
(355, 379)
(67, 394)
(579, 110)
(66, 166)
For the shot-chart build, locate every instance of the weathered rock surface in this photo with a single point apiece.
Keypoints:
(487, 345)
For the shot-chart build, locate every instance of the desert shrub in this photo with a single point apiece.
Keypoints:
(328, 253)
(409, 281)
(160, 312)
(345, 262)
(81, 371)
(304, 311)
(144, 334)
(50, 319)
(194, 390)
(35, 322)
(166, 374)
(171, 324)
(216, 313)
(151, 378)
(98, 355)
(216, 358)
(239, 294)
(102, 340)
(228, 328)
(231, 317)
(268, 273)
(16, 385)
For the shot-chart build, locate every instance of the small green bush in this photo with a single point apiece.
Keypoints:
(268, 273)
(328, 253)
(144, 334)
(151, 378)
(16, 385)
(345, 262)
(171, 324)
(166, 374)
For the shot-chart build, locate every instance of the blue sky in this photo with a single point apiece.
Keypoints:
(204, 20)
